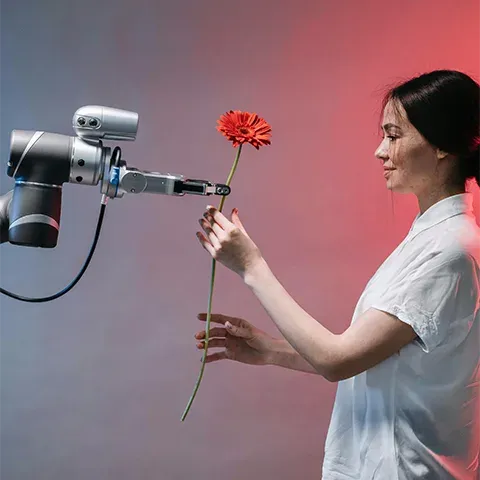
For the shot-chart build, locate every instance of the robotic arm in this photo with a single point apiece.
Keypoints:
(4, 206)
(41, 162)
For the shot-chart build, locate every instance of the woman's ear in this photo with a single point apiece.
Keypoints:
(441, 154)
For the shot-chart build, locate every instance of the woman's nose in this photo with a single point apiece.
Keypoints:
(381, 152)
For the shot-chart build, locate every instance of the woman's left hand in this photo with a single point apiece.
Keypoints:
(227, 241)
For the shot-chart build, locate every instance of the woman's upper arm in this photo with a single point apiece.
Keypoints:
(371, 339)
(421, 304)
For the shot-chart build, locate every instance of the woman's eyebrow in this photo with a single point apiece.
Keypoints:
(387, 126)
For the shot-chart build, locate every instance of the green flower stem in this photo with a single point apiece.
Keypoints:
(210, 295)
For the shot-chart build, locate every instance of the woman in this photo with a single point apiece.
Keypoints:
(407, 404)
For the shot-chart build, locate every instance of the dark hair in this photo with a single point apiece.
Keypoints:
(443, 106)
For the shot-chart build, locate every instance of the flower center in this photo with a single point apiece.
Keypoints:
(244, 130)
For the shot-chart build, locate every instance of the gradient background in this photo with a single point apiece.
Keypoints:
(93, 385)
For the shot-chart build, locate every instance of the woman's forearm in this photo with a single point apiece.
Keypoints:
(315, 343)
(284, 355)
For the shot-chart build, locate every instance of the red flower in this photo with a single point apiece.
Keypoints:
(243, 127)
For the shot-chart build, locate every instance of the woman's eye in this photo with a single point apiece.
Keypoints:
(390, 137)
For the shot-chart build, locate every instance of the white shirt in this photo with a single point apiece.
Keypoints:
(416, 414)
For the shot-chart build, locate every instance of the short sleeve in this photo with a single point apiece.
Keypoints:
(433, 296)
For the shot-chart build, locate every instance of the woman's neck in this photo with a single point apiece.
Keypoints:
(427, 199)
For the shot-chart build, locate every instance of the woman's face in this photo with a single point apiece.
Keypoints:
(410, 163)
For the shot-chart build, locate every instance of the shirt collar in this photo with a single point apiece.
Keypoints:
(442, 210)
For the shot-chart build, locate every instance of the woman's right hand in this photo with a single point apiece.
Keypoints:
(238, 339)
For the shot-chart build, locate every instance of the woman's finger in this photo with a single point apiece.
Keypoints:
(213, 357)
(206, 244)
(217, 229)
(214, 332)
(220, 218)
(210, 234)
(213, 343)
(219, 318)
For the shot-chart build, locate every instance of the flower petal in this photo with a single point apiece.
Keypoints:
(244, 127)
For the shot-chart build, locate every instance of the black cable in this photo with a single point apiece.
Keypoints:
(116, 156)
(77, 278)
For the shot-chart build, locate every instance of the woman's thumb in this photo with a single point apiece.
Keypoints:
(237, 331)
(237, 222)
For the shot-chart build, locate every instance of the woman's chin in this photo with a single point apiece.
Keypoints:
(393, 186)
(396, 188)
